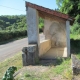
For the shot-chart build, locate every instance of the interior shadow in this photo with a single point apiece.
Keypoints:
(75, 46)
(50, 62)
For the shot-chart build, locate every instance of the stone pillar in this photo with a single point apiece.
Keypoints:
(29, 55)
(24, 56)
(32, 57)
(68, 37)
(75, 64)
(32, 26)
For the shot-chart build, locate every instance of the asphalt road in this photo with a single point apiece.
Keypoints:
(12, 48)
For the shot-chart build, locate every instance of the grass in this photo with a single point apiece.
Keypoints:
(61, 71)
(14, 61)
(50, 74)
(75, 37)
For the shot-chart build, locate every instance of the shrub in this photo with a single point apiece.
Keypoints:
(7, 35)
(9, 73)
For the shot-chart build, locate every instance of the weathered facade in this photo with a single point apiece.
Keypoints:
(56, 31)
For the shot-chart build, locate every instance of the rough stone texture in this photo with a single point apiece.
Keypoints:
(24, 56)
(30, 55)
(75, 65)
(56, 31)
(24, 59)
(32, 26)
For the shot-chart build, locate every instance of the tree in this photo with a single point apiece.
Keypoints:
(1, 24)
(59, 3)
(72, 8)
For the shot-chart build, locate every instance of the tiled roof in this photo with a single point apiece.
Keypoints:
(49, 11)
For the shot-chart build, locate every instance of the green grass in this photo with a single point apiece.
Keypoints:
(73, 36)
(14, 61)
(52, 72)
(63, 69)
(49, 74)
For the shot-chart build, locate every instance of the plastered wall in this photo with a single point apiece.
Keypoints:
(56, 32)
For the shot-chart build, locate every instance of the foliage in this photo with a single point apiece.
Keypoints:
(7, 35)
(9, 73)
(71, 7)
(59, 3)
(15, 26)
(68, 74)
(41, 23)
(48, 73)
(16, 60)
(12, 22)
(15, 22)
(75, 37)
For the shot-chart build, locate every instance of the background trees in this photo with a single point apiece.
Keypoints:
(14, 26)
(71, 7)
(15, 22)
(12, 22)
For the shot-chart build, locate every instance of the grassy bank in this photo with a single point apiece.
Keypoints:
(61, 71)
(13, 61)
(74, 36)
(58, 72)
(8, 36)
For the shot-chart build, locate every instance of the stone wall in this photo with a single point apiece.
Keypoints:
(56, 31)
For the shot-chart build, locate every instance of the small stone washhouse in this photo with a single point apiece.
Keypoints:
(56, 31)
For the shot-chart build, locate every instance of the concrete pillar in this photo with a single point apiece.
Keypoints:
(32, 26)
(68, 37)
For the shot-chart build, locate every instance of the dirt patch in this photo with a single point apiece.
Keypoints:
(31, 69)
(77, 77)
(40, 71)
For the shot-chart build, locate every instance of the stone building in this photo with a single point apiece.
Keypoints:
(56, 31)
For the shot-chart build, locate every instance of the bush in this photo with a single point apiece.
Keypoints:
(75, 29)
(7, 35)
(9, 73)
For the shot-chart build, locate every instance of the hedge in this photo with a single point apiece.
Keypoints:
(7, 35)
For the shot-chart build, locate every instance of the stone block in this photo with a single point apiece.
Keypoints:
(24, 59)
(24, 56)
(75, 65)
(32, 54)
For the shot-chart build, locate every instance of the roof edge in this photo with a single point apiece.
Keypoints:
(49, 11)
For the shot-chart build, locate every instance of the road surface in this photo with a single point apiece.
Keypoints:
(12, 48)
